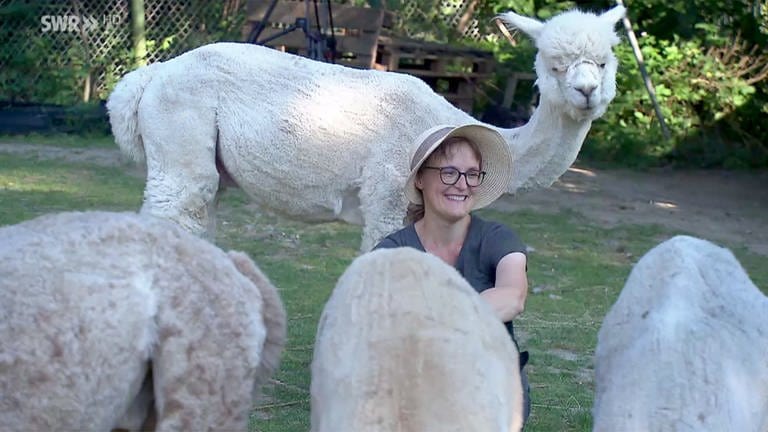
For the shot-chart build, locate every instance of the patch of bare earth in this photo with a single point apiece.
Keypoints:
(727, 207)
(106, 157)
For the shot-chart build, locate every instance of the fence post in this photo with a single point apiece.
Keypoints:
(644, 73)
(138, 34)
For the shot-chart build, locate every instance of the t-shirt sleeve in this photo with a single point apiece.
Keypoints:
(499, 242)
(386, 243)
(404, 237)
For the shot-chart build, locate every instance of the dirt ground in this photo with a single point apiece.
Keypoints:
(720, 206)
(717, 205)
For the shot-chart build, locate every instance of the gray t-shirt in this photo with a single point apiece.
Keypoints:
(486, 244)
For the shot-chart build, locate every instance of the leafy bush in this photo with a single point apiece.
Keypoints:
(703, 96)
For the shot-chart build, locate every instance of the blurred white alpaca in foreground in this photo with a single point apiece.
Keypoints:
(405, 344)
(685, 346)
(321, 142)
(91, 301)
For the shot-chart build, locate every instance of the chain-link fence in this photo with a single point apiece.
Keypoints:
(70, 51)
(64, 52)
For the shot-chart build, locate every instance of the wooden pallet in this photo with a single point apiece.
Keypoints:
(453, 72)
(364, 40)
(356, 29)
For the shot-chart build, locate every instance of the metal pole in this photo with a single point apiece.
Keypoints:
(644, 73)
(256, 32)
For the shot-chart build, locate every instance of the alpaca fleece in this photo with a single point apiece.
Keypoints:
(685, 346)
(91, 301)
(318, 142)
(405, 344)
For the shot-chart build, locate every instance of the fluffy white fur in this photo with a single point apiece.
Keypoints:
(404, 344)
(685, 346)
(318, 142)
(90, 302)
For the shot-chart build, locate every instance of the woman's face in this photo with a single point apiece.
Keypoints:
(448, 202)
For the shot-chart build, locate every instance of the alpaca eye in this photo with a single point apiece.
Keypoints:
(602, 65)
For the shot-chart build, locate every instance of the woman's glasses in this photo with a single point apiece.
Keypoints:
(450, 176)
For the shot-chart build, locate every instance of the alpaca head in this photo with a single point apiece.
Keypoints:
(575, 64)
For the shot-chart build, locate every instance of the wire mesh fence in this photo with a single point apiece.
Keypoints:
(439, 19)
(70, 51)
(64, 52)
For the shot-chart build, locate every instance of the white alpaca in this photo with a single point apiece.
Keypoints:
(404, 344)
(685, 346)
(320, 142)
(91, 301)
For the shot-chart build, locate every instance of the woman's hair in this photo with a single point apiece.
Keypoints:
(415, 212)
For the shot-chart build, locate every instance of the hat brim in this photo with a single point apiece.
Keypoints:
(496, 161)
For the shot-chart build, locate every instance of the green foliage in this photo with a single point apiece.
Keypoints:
(665, 18)
(209, 22)
(697, 92)
(55, 67)
(707, 63)
(541, 9)
(707, 60)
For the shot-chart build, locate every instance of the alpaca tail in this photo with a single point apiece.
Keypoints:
(123, 105)
(273, 313)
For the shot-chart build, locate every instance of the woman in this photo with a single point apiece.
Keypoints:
(455, 170)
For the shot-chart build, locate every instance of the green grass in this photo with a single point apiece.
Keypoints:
(62, 140)
(30, 187)
(575, 274)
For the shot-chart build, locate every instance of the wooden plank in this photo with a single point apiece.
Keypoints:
(512, 81)
(294, 39)
(456, 58)
(420, 60)
(350, 46)
(462, 103)
(466, 88)
(429, 73)
(356, 29)
(364, 44)
(357, 17)
(284, 12)
(344, 16)
(360, 62)
(414, 45)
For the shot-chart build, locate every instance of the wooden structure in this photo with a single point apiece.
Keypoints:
(364, 39)
(355, 29)
(453, 72)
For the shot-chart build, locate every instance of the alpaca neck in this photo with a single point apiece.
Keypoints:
(545, 147)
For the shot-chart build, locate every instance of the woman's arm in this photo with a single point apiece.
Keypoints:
(507, 298)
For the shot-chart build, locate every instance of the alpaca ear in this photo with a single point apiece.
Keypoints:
(612, 16)
(513, 21)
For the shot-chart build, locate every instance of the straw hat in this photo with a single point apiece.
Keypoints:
(494, 151)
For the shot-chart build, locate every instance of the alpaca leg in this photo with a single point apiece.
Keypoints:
(182, 179)
(201, 385)
(208, 352)
(526, 395)
(141, 410)
(383, 204)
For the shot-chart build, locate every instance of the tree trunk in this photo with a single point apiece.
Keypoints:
(138, 33)
(78, 7)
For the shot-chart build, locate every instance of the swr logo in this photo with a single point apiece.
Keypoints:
(68, 23)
